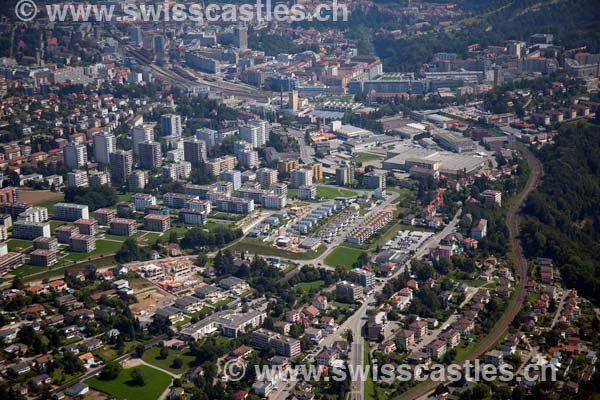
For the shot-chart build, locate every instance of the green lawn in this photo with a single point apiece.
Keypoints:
(405, 194)
(152, 356)
(58, 269)
(342, 255)
(49, 205)
(340, 306)
(226, 300)
(307, 286)
(201, 313)
(150, 237)
(55, 224)
(327, 192)
(124, 197)
(28, 269)
(18, 244)
(121, 388)
(363, 157)
(102, 247)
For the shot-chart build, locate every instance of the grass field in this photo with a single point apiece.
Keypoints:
(58, 270)
(327, 192)
(55, 224)
(102, 247)
(344, 256)
(340, 306)
(405, 194)
(363, 157)
(28, 269)
(18, 244)
(306, 286)
(152, 356)
(223, 302)
(121, 387)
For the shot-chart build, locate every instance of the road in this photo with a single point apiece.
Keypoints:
(521, 269)
(306, 152)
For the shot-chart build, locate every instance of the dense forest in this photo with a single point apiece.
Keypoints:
(562, 215)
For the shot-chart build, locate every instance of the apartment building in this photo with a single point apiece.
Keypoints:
(42, 257)
(30, 230)
(283, 345)
(266, 177)
(45, 243)
(301, 177)
(87, 226)
(221, 164)
(363, 277)
(142, 200)
(77, 178)
(82, 243)
(123, 227)
(193, 217)
(350, 290)
(229, 323)
(34, 214)
(104, 216)
(157, 223)
(177, 200)
(71, 212)
(64, 232)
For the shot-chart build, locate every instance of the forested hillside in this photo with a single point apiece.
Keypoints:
(573, 22)
(563, 214)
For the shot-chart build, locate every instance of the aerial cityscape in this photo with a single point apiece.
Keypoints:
(300, 200)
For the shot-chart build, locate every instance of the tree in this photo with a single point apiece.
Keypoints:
(201, 260)
(110, 371)
(138, 378)
(130, 251)
(14, 179)
(164, 353)
(139, 350)
(177, 363)
(90, 272)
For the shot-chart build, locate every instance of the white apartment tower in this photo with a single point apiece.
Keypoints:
(104, 144)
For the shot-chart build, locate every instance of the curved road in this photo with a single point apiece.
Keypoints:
(537, 173)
